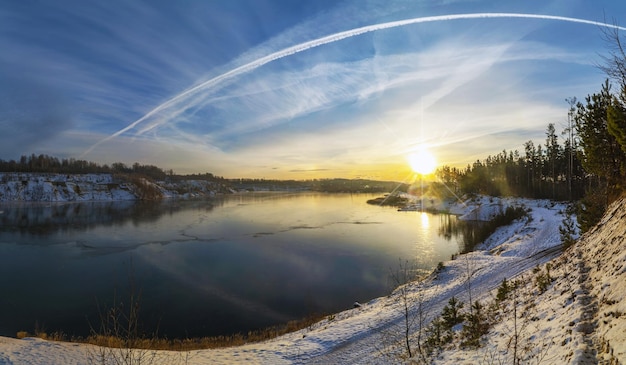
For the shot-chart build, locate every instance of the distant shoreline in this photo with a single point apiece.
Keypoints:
(25, 187)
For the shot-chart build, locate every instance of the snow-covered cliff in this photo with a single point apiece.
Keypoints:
(39, 187)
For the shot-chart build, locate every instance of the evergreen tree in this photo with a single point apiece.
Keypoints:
(530, 165)
(616, 119)
(552, 154)
(600, 152)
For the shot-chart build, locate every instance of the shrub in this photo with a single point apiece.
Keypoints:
(503, 291)
(436, 336)
(543, 280)
(475, 327)
(568, 229)
(145, 189)
(451, 313)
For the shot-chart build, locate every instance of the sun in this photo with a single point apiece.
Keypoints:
(422, 162)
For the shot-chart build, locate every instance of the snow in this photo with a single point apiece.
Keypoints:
(578, 318)
(30, 187)
(41, 187)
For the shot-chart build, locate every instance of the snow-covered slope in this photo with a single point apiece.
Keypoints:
(602, 263)
(39, 187)
(572, 310)
(575, 315)
(29, 187)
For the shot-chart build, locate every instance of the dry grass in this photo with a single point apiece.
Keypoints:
(54, 336)
(186, 344)
(201, 343)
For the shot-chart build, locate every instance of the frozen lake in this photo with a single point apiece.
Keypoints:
(203, 268)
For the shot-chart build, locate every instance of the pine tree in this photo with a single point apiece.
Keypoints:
(568, 229)
(616, 119)
(600, 152)
(552, 154)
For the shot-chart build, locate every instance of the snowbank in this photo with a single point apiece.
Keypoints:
(485, 208)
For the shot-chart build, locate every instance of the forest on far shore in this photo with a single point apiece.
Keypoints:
(49, 164)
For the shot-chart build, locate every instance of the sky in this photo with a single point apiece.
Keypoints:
(292, 89)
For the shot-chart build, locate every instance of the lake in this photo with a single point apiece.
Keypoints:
(203, 268)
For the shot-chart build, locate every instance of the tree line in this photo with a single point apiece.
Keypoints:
(49, 164)
(543, 171)
(330, 185)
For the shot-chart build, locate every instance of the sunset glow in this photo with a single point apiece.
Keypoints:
(422, 162)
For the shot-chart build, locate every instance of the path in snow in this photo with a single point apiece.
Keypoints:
(360, 347)
(540, 241)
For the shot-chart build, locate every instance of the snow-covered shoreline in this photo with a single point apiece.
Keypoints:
(565, 318)
(49, 187)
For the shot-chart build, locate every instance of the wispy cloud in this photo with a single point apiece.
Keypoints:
(179, 103)
(409, 85)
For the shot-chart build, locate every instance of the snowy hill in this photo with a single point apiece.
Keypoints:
(570, 310)
(559, 308)
(40, 187)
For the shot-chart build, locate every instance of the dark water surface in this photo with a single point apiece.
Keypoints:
(204, 268)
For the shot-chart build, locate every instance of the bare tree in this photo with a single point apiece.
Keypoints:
(470, 271)
(569, 130)
(119, 337)
(615, 63)
(410, 330)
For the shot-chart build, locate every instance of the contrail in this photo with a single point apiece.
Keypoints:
(330, 39)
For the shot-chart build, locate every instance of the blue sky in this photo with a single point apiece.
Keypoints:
(246, 88)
